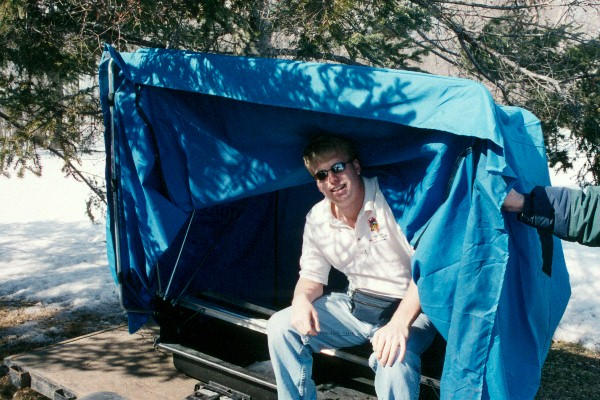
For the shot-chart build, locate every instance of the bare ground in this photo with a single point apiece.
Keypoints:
(570, 371)
(27, 325)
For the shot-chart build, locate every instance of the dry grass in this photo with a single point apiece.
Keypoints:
(16, 313)
(18, 320)
(9, 392)
(570, 372)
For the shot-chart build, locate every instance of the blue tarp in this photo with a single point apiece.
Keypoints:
(210, 195)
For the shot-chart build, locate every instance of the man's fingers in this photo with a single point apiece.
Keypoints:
(375, 343)
(389, 351)
(302, 328)
(392, 355)
(380, 346)
(385, 352)
(401, 350)
(305, 320)
(315, 319)
(308, 328)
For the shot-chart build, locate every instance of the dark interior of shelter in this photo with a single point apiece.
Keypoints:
(216, 312)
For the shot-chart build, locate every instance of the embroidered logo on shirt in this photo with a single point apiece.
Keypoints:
(373, 224)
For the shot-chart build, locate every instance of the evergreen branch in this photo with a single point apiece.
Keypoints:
(493, 7)
(439, 48)
(8, 119)
(57, 153)
(465, 38)
(482, 70)
(322, 56)
(94, 189)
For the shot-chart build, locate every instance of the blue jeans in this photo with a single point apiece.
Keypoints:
(291, 353)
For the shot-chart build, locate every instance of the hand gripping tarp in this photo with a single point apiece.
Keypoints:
(207, 191)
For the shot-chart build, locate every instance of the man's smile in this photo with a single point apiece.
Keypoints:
(338, 188)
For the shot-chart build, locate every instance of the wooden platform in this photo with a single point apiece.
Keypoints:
(105, 361)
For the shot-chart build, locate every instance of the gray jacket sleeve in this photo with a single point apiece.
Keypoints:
(583, 224)
(570, 214)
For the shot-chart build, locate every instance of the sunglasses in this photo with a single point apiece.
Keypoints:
(336, 168)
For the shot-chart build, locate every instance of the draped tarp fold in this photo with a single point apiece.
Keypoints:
(208, 194)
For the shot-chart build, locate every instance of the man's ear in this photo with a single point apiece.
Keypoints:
(356, 165)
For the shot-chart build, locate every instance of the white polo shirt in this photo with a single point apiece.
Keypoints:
(375, 255)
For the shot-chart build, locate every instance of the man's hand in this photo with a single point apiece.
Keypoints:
(305, 318)
(513, 202)
(389, 342)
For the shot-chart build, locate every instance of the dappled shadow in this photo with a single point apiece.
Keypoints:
(195, 130)
(248, 138)
(112, 350)
(51, 242)
(110, 360)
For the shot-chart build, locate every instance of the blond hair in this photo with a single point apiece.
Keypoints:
(323, 146)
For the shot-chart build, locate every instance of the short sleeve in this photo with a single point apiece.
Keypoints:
(313, 263)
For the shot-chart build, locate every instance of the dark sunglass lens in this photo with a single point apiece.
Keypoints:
(320, 175)
(338, 167)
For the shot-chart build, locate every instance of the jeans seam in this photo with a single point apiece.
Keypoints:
(301, 384)
(338, 333)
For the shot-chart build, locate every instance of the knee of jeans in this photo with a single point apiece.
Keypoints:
(411, 360)
(278, 325)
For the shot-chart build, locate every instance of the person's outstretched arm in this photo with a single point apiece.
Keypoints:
(570, 214)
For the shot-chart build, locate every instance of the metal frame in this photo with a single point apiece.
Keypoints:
(260, 325)
(202, 359)
(114, 188)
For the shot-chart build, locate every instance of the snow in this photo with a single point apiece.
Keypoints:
(581, 321)
(52, 256)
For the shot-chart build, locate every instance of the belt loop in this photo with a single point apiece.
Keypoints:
(350, 291)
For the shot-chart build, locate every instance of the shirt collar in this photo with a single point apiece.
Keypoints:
(370, 193)
(371, 186)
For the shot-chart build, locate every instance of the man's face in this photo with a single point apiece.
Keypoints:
(342, 188)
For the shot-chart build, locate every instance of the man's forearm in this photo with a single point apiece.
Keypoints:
(307, 290)
(410, 306)
(305, 318)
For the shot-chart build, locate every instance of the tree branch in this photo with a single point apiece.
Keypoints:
(322, 56)
(482, 71)
(57, 153)
(465, 38)
(491, 7)
(94, 189)
(10, 121)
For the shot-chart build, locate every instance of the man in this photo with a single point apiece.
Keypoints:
(570, 214)
(354, 230)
